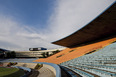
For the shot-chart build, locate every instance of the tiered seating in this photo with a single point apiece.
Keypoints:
(45, 72)
(101, 63)
(70, 73)
(71, 53)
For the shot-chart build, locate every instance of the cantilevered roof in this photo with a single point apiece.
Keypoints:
(103, 26)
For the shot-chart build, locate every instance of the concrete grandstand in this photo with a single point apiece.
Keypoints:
(90, 52)
(36, 54)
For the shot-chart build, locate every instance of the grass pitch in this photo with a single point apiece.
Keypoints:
(10, 72)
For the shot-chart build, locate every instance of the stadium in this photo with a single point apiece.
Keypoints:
(90, 52)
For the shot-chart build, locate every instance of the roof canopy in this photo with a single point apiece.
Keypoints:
(103, 26)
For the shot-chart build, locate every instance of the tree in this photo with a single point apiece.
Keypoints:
(47, 54)
(8, 54)
(13, 54)
(56, 51)
(44, 54)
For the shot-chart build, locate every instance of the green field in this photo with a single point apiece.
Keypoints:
(10, 72)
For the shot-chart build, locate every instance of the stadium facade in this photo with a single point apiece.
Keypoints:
(36, 54)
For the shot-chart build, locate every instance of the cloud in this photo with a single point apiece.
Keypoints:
(16, 36)
(68, 16)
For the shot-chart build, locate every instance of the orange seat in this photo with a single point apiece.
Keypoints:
(77, 52)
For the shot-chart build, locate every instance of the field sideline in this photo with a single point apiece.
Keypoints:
(10, 72)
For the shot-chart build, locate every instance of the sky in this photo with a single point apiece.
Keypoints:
(37, 23)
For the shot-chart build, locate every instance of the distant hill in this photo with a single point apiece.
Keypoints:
(1, 49)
